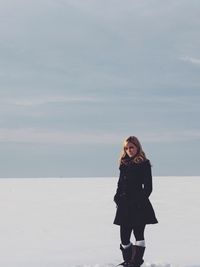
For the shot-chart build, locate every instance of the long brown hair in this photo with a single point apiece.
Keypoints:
(138, 158)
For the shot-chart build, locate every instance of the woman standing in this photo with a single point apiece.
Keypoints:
(134, 209)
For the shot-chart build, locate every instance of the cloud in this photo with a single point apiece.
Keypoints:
(31, 135)
(195, 61)
(41, 100)
(172, 136)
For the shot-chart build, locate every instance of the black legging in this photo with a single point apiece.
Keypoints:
(125, 233)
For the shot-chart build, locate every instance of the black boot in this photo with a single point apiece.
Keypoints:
(127, 254)
(137, 260)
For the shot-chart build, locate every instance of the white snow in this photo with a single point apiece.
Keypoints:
(57, 222)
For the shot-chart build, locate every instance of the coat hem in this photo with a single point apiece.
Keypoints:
(132, 224)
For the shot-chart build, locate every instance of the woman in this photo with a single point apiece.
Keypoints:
(134, 209)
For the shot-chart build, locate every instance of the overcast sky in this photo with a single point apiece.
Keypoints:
(78, 77)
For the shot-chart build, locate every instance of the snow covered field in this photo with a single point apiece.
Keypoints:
(57, 222)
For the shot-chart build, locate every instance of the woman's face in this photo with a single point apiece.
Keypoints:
(131, 149)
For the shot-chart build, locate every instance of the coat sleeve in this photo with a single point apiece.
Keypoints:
(118, 191)
(148, 180)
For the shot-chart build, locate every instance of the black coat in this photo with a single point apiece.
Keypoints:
(132, 199)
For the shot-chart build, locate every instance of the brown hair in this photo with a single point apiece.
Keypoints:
(139, 157)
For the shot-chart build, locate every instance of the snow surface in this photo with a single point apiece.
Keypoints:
(57, 222)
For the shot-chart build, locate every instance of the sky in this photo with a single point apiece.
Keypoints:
(78, 77)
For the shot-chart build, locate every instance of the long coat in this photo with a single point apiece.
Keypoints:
(132, 196)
